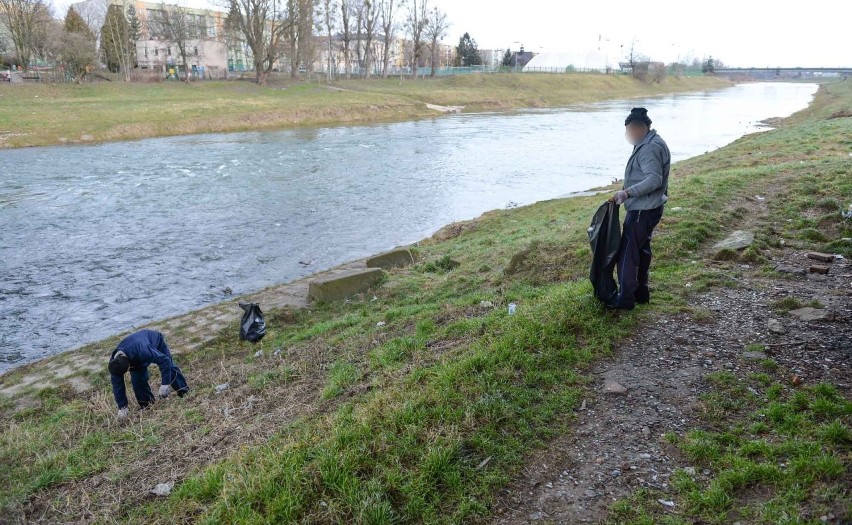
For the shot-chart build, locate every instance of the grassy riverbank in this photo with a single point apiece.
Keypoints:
(40, 115)
(416, 402)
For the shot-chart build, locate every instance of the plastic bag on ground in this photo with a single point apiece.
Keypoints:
(253, 325)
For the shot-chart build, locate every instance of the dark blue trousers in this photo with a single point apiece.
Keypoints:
(634, 255)
(139, 379)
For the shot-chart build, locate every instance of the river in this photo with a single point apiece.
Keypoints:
(99, 239)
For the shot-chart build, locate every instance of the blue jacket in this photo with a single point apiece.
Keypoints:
(646, 177)
(142, 348)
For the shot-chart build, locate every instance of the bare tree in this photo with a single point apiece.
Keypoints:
(346, 8)
(77, 52)
(24, 21)
(388, 14)
(658, 72)
(262, 24)
(175, 26)
(291, 33)
(371, 19)
(415, 24)
(306, 41)
(299, 32)
(44, 36)
(329, 10)
(93, 12)
(359, 18)
(639, 64)
(436, 29)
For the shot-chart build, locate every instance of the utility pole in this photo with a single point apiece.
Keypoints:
(516, 55)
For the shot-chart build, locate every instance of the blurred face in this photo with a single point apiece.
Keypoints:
(635, 132)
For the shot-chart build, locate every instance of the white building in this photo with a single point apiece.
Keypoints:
(565, 62)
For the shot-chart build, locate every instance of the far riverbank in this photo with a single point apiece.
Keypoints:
(52, 114)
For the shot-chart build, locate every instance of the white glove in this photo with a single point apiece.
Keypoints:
(122, 413)
(165, 390)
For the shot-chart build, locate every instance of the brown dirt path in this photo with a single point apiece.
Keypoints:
(616, 445)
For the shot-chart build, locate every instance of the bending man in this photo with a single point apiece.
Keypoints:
(136, 353)
(645, 191)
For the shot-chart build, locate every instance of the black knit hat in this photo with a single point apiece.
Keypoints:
(118, 365)
(638, 115)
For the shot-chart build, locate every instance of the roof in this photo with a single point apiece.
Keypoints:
(579, 60)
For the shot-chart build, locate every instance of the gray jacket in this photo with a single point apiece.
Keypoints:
(646, 177)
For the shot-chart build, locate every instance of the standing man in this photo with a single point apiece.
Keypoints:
(135, 353)
(645, 191)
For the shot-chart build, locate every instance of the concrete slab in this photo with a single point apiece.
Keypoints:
(343, 285)
(393, 259)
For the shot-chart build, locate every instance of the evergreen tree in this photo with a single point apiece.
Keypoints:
(468, 52)
(507, 58)
(76, 45)
(135, 28)
(74, 23)
(115, 40)
(135, 25)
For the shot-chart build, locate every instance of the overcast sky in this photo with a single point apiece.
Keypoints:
(740, 33)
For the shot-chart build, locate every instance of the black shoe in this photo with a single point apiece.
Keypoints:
(643, 295)
(182, 392)
(613, 305)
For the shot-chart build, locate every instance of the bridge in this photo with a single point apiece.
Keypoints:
(786, 72)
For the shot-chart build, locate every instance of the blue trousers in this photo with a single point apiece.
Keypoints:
(139, 379)
(634, 255)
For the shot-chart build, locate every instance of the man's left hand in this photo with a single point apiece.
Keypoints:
(619, 197)
(165, 390)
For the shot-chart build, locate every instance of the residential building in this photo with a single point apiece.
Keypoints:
(210, 54)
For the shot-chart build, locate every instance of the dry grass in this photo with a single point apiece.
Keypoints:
(419, 402)
(505, 91)
(39, 115)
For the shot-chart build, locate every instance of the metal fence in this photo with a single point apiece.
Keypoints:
(570, 69)
(58, 74)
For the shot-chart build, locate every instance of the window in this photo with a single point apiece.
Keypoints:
(156, 52)
(196, 51)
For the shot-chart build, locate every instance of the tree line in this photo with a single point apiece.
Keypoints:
(29, 31)
(274, 32)
(273, 29)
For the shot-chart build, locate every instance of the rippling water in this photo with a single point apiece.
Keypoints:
(98, 239)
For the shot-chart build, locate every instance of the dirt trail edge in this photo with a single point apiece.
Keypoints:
(655, 380)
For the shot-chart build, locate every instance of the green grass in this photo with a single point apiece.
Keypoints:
(789, 303)
(406, 395)
(782, 458)
(38, 115)
(340, 376)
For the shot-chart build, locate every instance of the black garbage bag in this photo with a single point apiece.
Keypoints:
(252, 326)
(605, 240)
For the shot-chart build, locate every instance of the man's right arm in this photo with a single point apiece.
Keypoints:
(118, 390)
